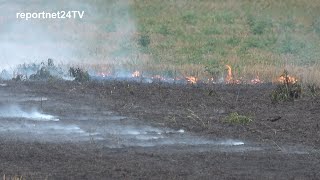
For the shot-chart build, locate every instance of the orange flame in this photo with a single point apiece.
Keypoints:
(287, 79)
(256, 80)
(136, 74)
(191, 79)
(229, 75)
(229, 79)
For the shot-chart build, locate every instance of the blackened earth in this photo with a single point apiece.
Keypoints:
(130, 130)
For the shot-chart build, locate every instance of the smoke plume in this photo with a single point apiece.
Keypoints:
(14, 111)
(104, 34)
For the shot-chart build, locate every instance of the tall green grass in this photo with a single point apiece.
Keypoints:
(255, 37)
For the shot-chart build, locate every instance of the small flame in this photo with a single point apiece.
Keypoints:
(256, 80)
(191, 79)
(229, 79)
(289, 79)
(136, 74)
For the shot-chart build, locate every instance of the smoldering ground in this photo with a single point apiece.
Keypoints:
(15, 111)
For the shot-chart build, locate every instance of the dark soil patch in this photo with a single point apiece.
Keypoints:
(199, 109)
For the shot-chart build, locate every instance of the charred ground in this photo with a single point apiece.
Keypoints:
(199, 109)
(202, 109)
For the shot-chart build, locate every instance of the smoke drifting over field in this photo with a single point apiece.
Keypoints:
(14, 111)
(103, 35)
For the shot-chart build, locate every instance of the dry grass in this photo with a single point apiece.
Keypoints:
(257, 38)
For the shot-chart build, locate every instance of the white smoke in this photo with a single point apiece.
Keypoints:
(231, 142)
(14, 111)
(103, 35)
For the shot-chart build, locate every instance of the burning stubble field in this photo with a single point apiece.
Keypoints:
(131, 130)
(203, 89)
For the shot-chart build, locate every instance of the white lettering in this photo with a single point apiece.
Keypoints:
(81, 14)
(34, 15)
(54, 15)
(48, 15)
(42, 14)
(28, 16)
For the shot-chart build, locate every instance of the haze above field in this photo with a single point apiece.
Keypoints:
(196, 38)
(102, 34)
